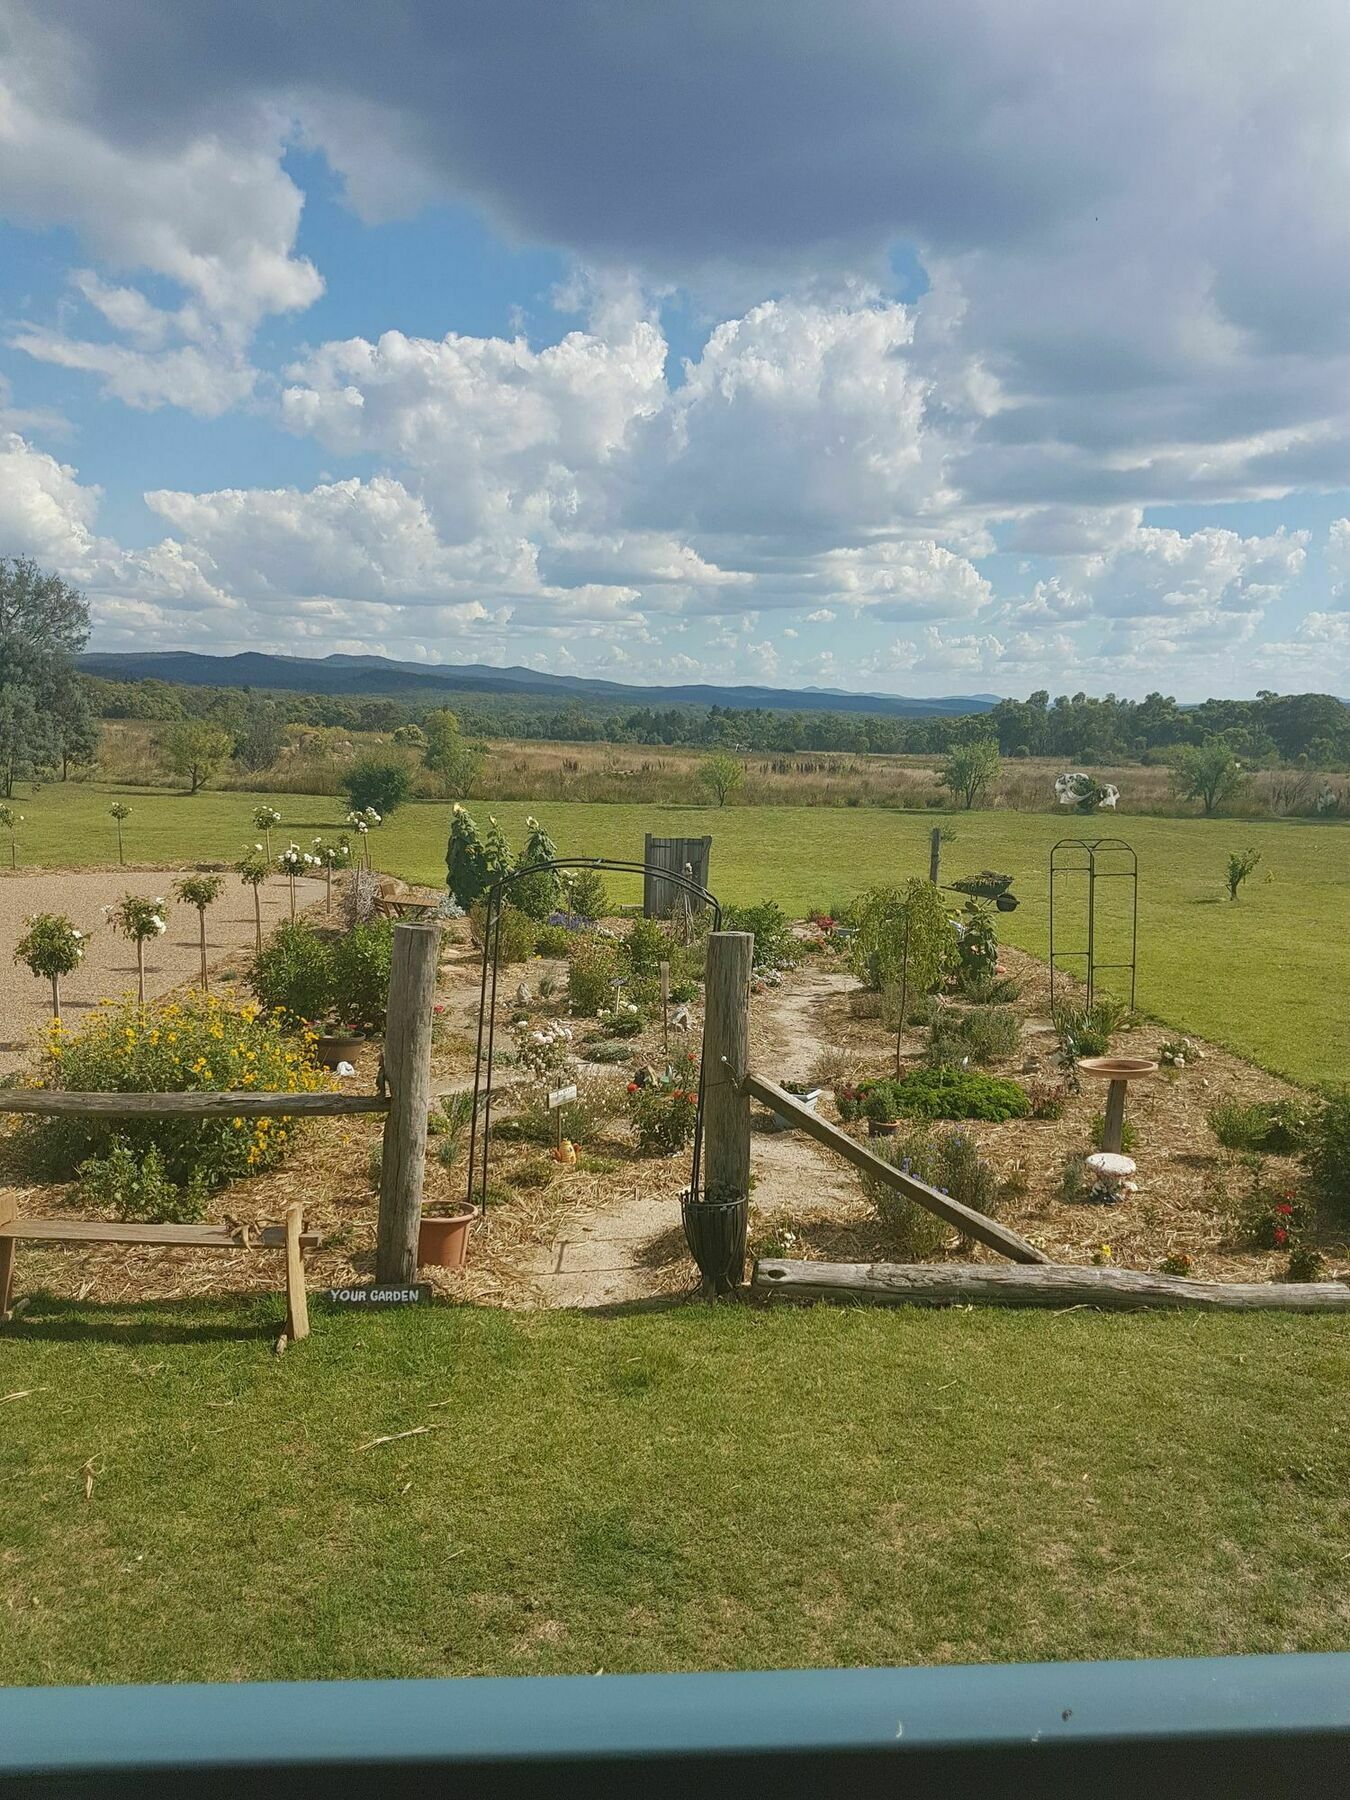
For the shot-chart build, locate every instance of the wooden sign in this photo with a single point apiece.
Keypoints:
(380, 1296)
(561, 1096)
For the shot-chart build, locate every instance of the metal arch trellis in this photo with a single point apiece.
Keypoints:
(487, 1000)
(1089, 850)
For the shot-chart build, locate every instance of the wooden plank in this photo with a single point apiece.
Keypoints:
(112, 1231)
(297, 1301)
(407, 1067)
(974, 1224)
(245, 1104)
(1051, 1284)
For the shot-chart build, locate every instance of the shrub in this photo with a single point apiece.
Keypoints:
(136, 1187)
(381, 782)
(1178, 1262)
(1305, 1264)
(361, 959)
(946, 1160)
(532, 1123)
(1088, 1030)
(293, 973)
(1048, 1099)
(646, 946)
(969, 769)
(987, 990)
(1271, 1216)
(1278, 1127)
(945, 1094)
(586, 894)
(552, 940)
(592, 966)
(516, 934)
(663, 1112)
(608, 1050)
(1328, 1152)
(985, 1034)
(192, 1046)
(466, 863)
(775, 946)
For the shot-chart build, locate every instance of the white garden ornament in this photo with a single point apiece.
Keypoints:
(1086, 793)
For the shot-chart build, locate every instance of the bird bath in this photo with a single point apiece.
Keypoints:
(1119, 1071)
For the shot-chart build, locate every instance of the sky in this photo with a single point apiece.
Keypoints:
(930, 347)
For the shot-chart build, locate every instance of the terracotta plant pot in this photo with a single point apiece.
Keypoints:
(883, 1127)
(333, 1050)
(443, 1237)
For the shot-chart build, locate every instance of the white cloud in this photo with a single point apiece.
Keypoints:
(1338, 555)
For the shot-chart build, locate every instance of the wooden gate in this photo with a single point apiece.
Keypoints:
(664, 857)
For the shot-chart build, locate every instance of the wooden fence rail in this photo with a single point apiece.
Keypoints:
(243, 1104)
(973, 1224)
(1051, 1284)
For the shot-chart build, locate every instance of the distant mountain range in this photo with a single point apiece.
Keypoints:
(381, 675)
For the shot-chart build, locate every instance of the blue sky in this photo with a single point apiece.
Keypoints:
(910, 350)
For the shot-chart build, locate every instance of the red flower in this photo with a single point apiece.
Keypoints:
(1284, 1207)
(632, 1087)
(1281, 1236)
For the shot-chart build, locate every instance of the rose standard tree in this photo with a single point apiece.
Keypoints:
(253, 868)
(265, 819)
(200, 891)
(51, 947)
(139, 920)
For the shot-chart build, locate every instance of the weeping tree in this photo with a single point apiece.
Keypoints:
(200, 891)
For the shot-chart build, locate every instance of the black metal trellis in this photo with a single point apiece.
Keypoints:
(1089, 851)
(487, 1001)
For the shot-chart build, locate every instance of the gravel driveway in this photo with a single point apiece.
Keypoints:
(109, 967)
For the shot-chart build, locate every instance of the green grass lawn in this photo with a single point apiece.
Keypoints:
(1270, 976)
(699, 1488)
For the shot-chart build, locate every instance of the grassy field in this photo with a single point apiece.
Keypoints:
(1269, 977)
(692, 1489)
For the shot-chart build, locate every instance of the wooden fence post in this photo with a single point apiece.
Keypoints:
(934, 853)
(407, 1069)
(726, 1059)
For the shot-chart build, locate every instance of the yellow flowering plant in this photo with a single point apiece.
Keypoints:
(196, 1045)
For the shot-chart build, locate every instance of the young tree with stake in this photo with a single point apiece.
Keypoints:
(200, 891)
(265, 818)
(118, 811)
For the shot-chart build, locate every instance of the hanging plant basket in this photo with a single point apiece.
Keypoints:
(715, 1230)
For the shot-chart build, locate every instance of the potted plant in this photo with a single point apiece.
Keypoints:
(802, 1091)
(443, 1234)
(715, 1229)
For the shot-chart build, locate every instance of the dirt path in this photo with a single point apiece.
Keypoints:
(632, 1249)
(109, 966)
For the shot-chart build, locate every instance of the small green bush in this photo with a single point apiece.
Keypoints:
(1088, 1030)
(592, 966)
(1271, 1216)
(136, 1188)
(663, 1112)
(517, 932)
(586, 896)
(646, 946)
(608, 1050)
(775, 945)
(361, 960)
(1328, 1153)
(1276, 1127)
(553, 940)
(945, 1094)
(985, 1034)
(293, 973)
